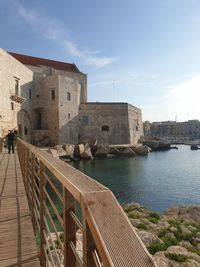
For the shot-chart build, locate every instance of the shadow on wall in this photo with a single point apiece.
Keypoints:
(68, 133)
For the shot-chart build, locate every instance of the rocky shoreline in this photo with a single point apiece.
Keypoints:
(172, 238)
(68, 152)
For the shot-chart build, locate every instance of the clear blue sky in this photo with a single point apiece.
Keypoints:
(145, 52)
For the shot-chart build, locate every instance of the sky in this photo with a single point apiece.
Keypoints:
(144, 52)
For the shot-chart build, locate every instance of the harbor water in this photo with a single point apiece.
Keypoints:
(160, 180)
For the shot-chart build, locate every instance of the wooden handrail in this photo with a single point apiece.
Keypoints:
(109, 238)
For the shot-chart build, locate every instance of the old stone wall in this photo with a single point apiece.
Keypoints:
(69, 101)
(79, 77)
(45, 107)
(135, 124)
(12, 72)
(105, 122)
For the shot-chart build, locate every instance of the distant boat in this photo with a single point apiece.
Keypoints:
(194, 147)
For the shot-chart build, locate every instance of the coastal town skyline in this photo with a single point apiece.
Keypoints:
(145, 53)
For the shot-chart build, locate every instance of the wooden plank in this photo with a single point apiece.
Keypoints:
(17, 241)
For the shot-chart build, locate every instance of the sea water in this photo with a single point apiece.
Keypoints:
(160, 180)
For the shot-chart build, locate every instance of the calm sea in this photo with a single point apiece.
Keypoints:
(157, 181)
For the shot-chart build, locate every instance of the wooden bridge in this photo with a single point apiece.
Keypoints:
(74, 220)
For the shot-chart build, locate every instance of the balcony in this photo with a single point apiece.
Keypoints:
(17, 98)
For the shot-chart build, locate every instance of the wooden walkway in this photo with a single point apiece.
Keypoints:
(17, 242)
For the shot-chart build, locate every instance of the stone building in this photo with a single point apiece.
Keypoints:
(174, 130)
(112, 123)
(46, 101)
(15, 106)
(41, 98)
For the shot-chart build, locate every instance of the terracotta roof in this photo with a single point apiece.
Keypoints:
(36, 61)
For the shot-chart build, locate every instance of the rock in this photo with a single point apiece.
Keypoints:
(60, 150)
(81, 149)
(146, 221)
(141, 150)
(148, 238)
(191, 228)
(102, 150)
(184, 243)
(132, 206)
(122, 151)
(135, 222)
(128, 152)
(173, 229)
(69, 150)
(114, 150)
(170, 235)
(162, 261)
(153, 144)
(161, 225)
(86, 152)
(190, 263)
(164, 145)
(53, 152)
(189, 213)
(185, 230)
(182, 251)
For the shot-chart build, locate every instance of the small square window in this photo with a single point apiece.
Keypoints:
(105, 128)
(85, 120)
(68, 96)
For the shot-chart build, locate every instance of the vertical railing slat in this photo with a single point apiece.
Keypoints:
(69, 229)
(88, 246)
(42, 213)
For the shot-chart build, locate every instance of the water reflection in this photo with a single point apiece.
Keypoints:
(161, 180)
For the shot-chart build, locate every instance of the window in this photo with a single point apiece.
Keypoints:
(137, 129)
(16, 86)
(69, 116)
(12, 106)
(30, 93)
(85, 120)
(25, 130)
(53, 94)
(68, 96)
(105, 128)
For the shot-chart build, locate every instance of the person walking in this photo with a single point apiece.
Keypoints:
(10, 140)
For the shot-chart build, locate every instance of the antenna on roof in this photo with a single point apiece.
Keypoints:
(113, 90)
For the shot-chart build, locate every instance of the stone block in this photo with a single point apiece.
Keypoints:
(60, 150)
(69, 150)
(53, 152)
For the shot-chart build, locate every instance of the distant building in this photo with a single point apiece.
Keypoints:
(172, 129)
(112, 123)
(46, 101)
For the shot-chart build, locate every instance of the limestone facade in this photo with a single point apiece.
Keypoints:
(112, 123)
(15, 82)
(47, 109)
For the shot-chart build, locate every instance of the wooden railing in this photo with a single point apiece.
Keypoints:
(66, 204)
